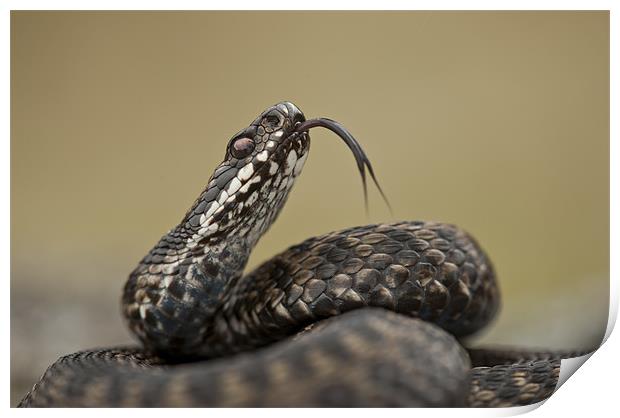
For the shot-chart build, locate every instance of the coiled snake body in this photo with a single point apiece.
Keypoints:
(367, 316)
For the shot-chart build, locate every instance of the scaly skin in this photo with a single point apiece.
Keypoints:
(306, 326)
(339, 366)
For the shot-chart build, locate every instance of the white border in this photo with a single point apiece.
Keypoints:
(590, 391)
(310, 5)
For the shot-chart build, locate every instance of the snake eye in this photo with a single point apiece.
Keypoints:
(242, 147)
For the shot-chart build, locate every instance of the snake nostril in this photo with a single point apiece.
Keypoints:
(298, 118)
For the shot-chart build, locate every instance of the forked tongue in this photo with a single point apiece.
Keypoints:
(361, 159)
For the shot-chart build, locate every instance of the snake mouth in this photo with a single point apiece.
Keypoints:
(361, 159)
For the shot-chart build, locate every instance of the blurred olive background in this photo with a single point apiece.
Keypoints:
(498, 122)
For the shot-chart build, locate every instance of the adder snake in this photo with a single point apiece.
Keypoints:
(366, 316)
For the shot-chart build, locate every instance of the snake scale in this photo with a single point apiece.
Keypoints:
(366, 316)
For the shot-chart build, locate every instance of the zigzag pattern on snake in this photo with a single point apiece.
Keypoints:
(367, 316)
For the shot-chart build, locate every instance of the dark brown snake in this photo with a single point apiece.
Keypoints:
(367, 316)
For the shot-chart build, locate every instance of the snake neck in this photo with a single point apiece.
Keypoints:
(171, 298)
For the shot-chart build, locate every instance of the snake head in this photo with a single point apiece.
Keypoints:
(248, 189)
(256, 143)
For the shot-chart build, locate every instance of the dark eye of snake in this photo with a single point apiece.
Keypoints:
(242, 147)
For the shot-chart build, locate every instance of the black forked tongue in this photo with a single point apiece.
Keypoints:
(360, 156)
